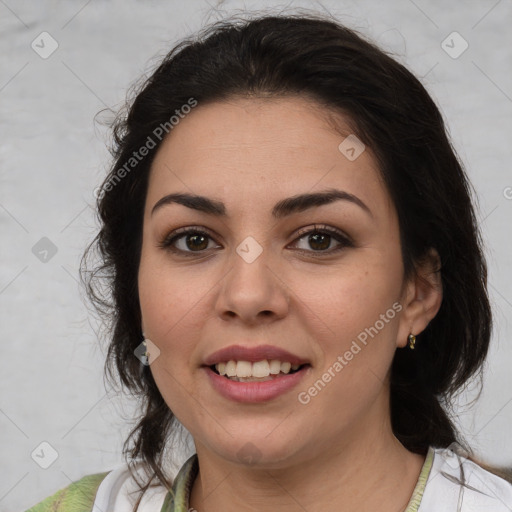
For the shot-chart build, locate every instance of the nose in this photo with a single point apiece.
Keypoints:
(253, 292)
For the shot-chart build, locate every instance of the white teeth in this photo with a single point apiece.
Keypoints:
(275, 366)
(230, 369)
(243, 369)
(285, 367)
(260, 369)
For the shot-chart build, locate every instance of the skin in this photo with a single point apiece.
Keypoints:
(250, 153)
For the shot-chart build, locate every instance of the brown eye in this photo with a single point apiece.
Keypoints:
(319, 239)
(196, 241)
(186, 241)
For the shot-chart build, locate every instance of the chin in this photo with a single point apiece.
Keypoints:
(259, 451)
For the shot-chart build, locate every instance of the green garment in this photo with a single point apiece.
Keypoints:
(178, 499)
(79, 496)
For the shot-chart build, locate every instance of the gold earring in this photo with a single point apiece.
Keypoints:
(412, 341)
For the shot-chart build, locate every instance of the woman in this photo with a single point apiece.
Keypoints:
(296, 275)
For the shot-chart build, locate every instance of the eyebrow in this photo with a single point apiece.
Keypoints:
(283, 208)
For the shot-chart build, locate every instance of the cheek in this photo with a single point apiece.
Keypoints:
(361, 312)
(351, 298)
(355, 311)
(170, 303)
(175, 304)
(169, 296)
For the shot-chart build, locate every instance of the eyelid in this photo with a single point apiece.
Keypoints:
(345, 240)
(323, 228)
(167, 240)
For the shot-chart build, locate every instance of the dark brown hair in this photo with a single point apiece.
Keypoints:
(391, 113)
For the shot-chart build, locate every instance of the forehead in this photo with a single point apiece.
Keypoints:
(261, 150)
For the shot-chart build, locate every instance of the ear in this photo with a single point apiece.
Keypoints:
(422, 298)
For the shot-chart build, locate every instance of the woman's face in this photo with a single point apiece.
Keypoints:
(263, 279)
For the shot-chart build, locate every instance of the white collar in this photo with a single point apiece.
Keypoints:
(118, 491)
(483, 492)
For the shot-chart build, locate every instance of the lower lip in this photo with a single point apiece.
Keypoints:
(255, 392)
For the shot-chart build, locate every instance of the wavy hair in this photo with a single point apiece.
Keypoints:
(391, 112)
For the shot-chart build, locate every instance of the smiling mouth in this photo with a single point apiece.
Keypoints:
(260, 371)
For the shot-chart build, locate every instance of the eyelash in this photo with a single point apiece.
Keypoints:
(339, 236)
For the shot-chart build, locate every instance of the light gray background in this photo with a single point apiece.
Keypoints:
(53, 155)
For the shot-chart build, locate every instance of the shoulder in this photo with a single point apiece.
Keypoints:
(119, 491)
(101, 492)
(460, 485)
(76, 497)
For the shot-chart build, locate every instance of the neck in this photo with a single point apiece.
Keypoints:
(371, 470)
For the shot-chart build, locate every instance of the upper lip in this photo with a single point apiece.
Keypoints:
(252, 354)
